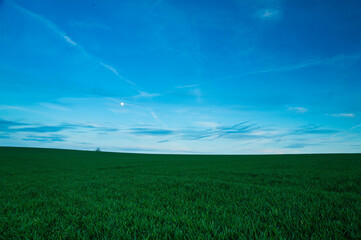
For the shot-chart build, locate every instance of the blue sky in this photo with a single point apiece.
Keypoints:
(167, 76)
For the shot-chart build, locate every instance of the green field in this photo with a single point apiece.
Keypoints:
(63, 194)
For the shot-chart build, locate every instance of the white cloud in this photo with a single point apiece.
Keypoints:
(298, 109)
(146, 95)
(17, 108)
(343, 115)
(208, 124)
(269, 14)
(54, 107)
(69, 40)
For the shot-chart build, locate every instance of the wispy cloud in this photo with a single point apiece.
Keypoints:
(91, 127)
(187, 90)
(357, 126)
(309, 63)
(261, 8)
(70, 41)
(151, 131)
(188, 86)
(156, 118)
(17, 108)
(117, 107)
(143, 94)
(113, 70)
(4, 124)
(298, 109)
(240, 130)
(15, 127)
(348, 115)
(39, 129)
(43, 20)
(51, 138)
(208, 124)
(299, 145)
(268, 14)
(288, 68)
(56, 107)
(54, 28)
(312, 129)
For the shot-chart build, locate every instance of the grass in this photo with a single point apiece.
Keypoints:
(63, 194)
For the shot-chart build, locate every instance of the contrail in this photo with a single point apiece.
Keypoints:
(45, 21)
(356, 126)
(54, 28)
(113, 70)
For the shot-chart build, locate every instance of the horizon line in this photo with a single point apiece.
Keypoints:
(187, 154)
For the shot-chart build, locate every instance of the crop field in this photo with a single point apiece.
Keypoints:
(65, 194)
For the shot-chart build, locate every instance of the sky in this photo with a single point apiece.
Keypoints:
(181, 76)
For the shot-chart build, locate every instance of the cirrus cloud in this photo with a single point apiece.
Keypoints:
(349, 115)
(298, 109)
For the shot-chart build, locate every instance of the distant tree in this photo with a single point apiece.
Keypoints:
(97, 150)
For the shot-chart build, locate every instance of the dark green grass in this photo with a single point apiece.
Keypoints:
(62, 194)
